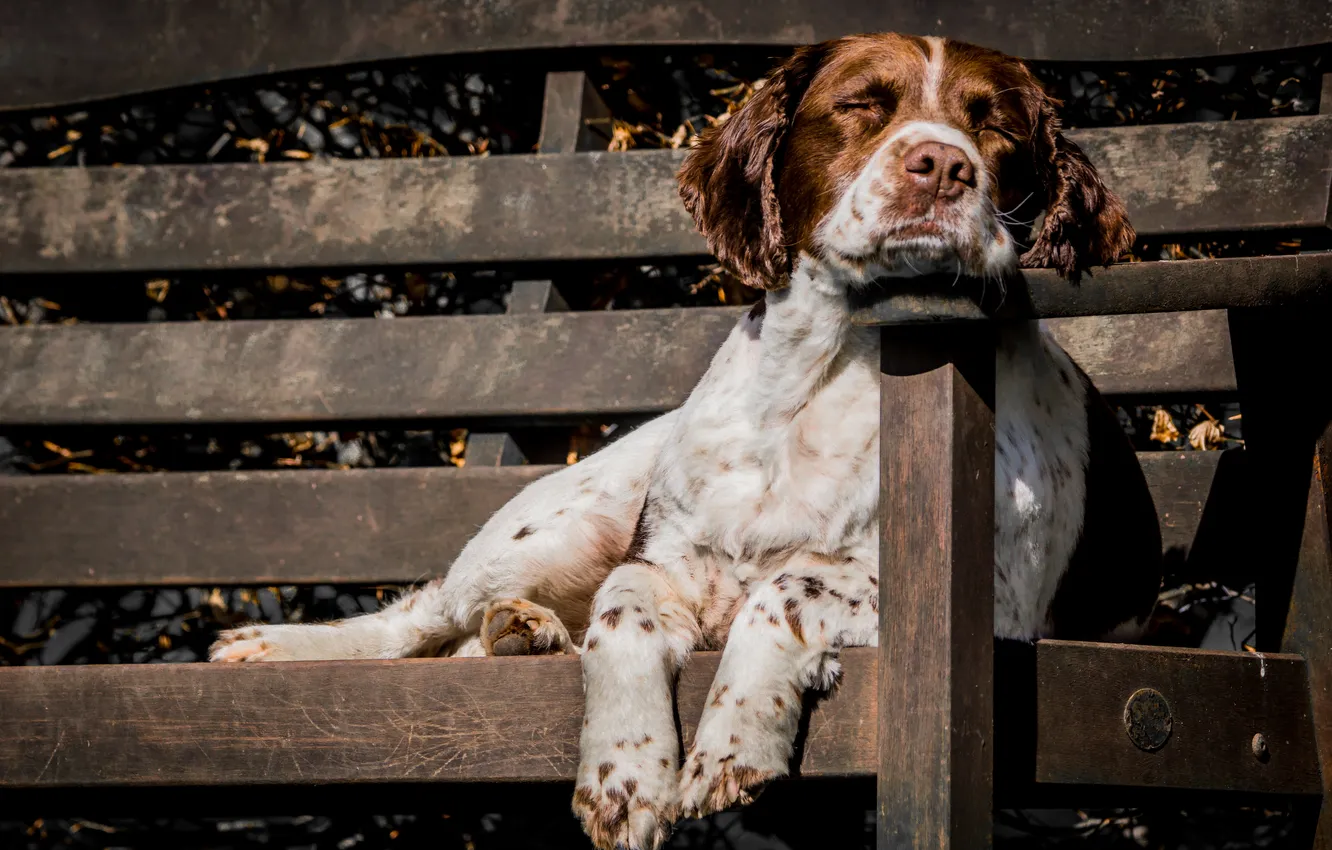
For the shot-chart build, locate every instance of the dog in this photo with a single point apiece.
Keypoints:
(747, 520)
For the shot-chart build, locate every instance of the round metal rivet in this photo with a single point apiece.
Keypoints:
(1147, 719)
(1259, 747)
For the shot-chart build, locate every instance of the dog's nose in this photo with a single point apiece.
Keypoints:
(939, 170)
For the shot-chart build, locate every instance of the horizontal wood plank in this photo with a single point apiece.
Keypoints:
(1218, 701)
(428, 720)
(594, 363)
(59, 53)
(1299, 280)
(1176, 179)
(392, 526)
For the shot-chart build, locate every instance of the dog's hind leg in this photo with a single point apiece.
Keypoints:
(552, 544)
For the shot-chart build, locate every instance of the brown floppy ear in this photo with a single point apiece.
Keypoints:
(728, 179)
(1085, 223)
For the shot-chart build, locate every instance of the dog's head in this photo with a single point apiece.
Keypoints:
(887, 155)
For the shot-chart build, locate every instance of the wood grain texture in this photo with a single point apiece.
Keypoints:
(1309, 623)
(596, 363)
(1218, 702)
(1181, 178)
(936, 599)
(517, 719)
(414, 720)
(312, 526)
(382, 526)
(79, 50)
(1172, 353)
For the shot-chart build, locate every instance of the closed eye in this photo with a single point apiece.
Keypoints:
(1000, 131)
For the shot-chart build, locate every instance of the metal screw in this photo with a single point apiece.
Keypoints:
(1259, 747)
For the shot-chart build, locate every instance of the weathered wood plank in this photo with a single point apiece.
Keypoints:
(1153, 352)
(368, 526)
(435, 720)
(78, 50)
(936, 597)
(1184, 179)
(385, 526)
(597, 363)
(603, 362)
(1215, 710)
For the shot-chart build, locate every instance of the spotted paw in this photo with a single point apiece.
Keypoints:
(620, 812)
(519, 627)
(714, 783)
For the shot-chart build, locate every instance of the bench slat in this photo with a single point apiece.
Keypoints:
(597, 363)
(392, 526)
(1176, 179)
(431, 720)
(60, 53)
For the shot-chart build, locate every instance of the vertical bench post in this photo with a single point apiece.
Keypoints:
(1309, 625)
(936, 640)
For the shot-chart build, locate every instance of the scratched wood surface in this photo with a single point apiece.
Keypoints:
(59, 53)
(463, 720)
(596, 363)
(1175, 179)
(936, 557)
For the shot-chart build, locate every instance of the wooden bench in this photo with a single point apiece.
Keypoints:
(923, 713)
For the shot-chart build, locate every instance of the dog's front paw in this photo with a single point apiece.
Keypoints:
(626, 798)
(519, 627)
(741, 745)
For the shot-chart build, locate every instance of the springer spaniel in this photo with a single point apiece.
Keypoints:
(748, 519)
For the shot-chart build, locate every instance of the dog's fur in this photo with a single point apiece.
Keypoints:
(748, 518)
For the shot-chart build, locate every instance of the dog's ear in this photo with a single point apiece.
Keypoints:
(1085, 223)
(728, 180)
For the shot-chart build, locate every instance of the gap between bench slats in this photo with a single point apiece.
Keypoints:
(601, 363)
(1175, 179)
(518, 719)
(392, 526)
(82, 50)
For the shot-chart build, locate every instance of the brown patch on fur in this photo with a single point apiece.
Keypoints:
(666, 763)
(735, 740)
(717, 699)
(584, 796)
(611, 617)
(740, 702)
(605, 769)
(630, 786)
(647, 626)
(525, 531)
(814, 586)
(779, 702)
(592, 643)
(647, 739)
(772, 619)
(793, 619)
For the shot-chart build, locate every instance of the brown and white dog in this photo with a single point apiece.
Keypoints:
(748, 518)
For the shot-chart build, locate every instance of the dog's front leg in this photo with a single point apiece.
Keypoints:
(783, 642)
(641, 633)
